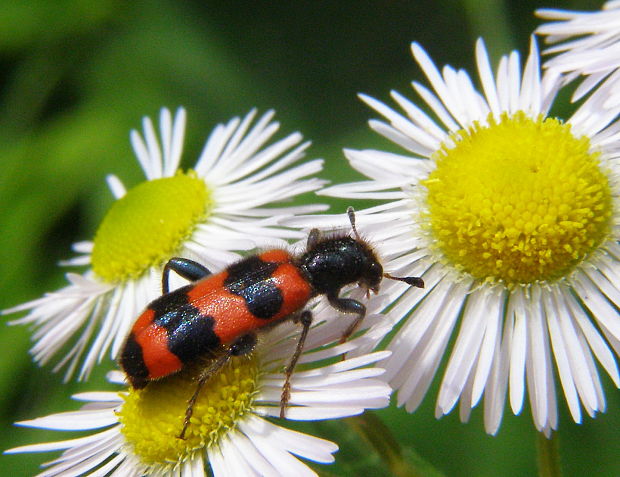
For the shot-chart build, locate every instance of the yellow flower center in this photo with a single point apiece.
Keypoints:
(517, 201)
(148, 225)
(152, 418)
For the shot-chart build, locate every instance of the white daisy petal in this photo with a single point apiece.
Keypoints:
(116, 187)
(246, 451)
(62, 445)
(495, 392)
(261, 433)
(519, 346)
(585, 377)
(436, 80)
(318, 450)
(492, 334)
(606, 314)
(530, 92)
(233, 457)
(585, 43)
(72, 420)
(486, 78)
(434, 133)
(141, 152)
(436, 105)
(107, 469)
(174, 139)
(465, 400)
(152, 145)
(562, 360)
(537, 363)
(595, 341)
(466, 347)
(165, 131)
(431, 346)
(514, 82)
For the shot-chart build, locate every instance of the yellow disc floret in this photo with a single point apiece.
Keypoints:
(152, 418)
(518, 200)
(147, 225)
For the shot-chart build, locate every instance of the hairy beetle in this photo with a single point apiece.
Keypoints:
(219, 314)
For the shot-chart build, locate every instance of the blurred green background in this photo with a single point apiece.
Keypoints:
(77, 75)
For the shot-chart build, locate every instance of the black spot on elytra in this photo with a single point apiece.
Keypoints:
(132, 363)
(190, 334)
(251, 279)
(170, 301)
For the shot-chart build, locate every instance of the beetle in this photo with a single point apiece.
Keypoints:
(220, 314)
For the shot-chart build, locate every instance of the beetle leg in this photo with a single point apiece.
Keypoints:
(243, 345)
(313, 237)
(348, 305)
(305, 318)
(185, 267)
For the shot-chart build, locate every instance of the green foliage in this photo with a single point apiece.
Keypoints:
(77, 75)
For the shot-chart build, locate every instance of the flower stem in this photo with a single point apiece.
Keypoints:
(548, 450)
(409, 464)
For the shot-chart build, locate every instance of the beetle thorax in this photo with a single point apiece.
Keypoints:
(335, 262)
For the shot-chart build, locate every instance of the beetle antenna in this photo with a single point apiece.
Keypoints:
(415, 281)
(351, 214)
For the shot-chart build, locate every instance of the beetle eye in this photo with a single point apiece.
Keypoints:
(375, 272)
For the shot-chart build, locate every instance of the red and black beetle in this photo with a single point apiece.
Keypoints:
(219, 314)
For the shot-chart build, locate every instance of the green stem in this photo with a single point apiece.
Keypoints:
(498, 33)
(548, 451)
(372, 429)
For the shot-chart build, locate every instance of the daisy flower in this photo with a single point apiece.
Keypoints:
(228, 428)
(587, 43)
(511, 217)
(220, 206)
